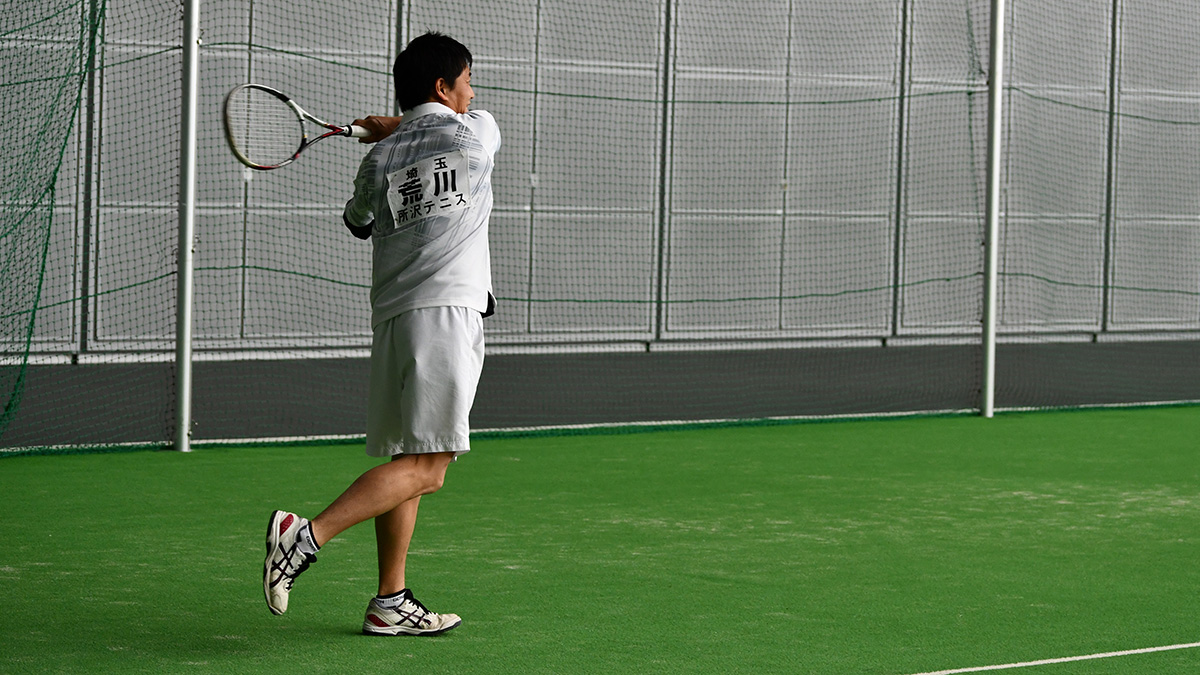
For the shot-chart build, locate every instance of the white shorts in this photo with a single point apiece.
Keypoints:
(425, 367)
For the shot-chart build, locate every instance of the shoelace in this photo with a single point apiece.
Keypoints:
(418, 604)
(288, 572)
(418, 617)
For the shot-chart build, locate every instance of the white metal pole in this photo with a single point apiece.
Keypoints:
(187, 218)
(992, 235)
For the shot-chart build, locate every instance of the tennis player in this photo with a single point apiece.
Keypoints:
(423, 195)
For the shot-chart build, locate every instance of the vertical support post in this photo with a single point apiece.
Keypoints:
(992, 234)
(89, 197)
(530, 268)
(902, 89)
(187, 218)
(401, 43)
(1110, 187)
(660, 281)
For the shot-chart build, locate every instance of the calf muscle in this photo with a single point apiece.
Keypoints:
(380, 490)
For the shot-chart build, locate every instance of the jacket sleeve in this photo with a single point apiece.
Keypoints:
(358, 216)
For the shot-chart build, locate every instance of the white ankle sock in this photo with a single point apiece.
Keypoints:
(305, 541)
(393, 600)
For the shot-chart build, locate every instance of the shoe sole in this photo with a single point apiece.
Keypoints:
(401, 630)
(272, 543)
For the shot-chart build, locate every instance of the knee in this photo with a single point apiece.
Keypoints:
(434, 481)
(434, 473)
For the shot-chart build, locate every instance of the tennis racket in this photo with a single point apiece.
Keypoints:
(266, 129)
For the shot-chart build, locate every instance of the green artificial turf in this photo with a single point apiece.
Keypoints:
(895, 546)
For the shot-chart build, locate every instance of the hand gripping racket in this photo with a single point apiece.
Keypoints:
(266, 128)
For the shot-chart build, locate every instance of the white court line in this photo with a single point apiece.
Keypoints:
(1065, 659)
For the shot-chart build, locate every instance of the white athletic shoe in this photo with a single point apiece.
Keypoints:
(284, 561)
(409, 618)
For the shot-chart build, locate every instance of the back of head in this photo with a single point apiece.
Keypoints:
(425, 60)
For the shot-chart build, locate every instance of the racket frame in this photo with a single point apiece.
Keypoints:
(302, 116)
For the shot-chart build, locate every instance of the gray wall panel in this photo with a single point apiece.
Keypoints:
(950, 41)
(1056, 154)
(945, 168)
(136, 167)
(283, 298)
(1159, 50)
(728, 156)
(853, 39)
(744, 36)
(839, 272)
(1158, 173)
(493, 31)
(143, 21)
(219, 181)
(1052, 44)
(222, 22)
(509, 236)
(842, 157)
(219, 298)
(595, 150)
(617, 31)
(600, 269)
(56, 324)
(1051, 273)
(725, 273)
(503, 90)
(135, 266)
(941, 270)
(1155, 276)
(359, 27)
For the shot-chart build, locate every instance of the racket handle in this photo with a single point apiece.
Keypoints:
(358, 132)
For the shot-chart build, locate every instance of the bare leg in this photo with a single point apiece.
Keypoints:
(393, 533)
(381, 490)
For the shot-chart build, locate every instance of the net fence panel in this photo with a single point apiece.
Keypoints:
(672, 175)
(1100, 297)
(775, 222)
(44, 49)
(703, 210)
(279, 281)
(96, 262)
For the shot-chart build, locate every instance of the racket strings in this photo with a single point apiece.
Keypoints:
(264, 128)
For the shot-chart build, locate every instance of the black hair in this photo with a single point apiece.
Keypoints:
(423, 62)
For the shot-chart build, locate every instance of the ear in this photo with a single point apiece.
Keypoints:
(441, 91)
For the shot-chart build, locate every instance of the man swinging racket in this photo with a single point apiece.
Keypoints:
(423, 195)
